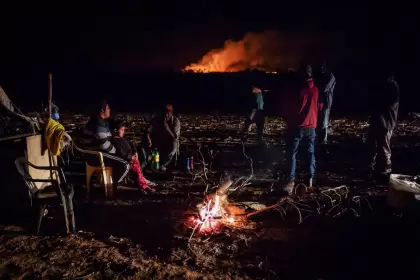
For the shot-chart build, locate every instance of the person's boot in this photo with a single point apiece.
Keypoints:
(289, 187)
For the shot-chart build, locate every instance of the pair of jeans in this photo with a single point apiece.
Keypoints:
(257, 117)
(295, 137)
(379, 140)
(324, 118)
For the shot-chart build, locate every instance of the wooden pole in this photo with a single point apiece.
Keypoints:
(50, 95)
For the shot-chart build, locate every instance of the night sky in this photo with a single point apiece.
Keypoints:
(130, 35)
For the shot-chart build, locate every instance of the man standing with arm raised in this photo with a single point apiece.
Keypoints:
(302, 118)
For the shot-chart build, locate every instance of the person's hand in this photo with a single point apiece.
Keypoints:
(165, 124)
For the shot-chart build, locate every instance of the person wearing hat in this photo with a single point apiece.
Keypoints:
(165, 136)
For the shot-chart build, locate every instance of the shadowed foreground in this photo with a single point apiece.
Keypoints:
(144, 237)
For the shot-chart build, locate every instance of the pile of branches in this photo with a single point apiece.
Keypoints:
(332, 202)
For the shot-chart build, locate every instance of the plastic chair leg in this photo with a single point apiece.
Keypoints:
(42, 212)
(109, 185)
(89, 173)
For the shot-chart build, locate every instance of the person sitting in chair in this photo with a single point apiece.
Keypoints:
(99, 139)
(127, 151)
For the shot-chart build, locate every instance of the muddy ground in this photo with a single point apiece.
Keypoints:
(139, 236)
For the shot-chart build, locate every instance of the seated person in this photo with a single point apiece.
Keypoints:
(127, 151)
(99, 137)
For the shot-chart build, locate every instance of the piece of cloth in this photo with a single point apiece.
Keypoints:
(302, 110)
(254, 100)
(97, 129)
(379, 143)
(257, 117)
(136, 168)
(119, 166)
(53, 135)
(55, 116)
(384, 103)
(260, 101)
(324, 118)
(295, 137)
(123, 148)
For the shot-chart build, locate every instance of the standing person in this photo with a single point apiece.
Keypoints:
(98, 132)
(326, 83)
(127, 151)
(146, 143)
(256, 113)
(301, 117)
(385, 105)
(165, 136)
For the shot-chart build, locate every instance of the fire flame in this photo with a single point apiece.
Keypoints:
(211, 217)
(254, 51)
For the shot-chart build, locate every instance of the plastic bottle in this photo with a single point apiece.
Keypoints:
(188, 163)
(155, 160)
(157, 163)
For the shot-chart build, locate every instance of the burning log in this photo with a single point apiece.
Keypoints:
(214, 205)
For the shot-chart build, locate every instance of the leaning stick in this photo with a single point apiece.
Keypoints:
(274, 206)
(49, 95)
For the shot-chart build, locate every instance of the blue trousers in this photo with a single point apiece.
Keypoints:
(295, 137)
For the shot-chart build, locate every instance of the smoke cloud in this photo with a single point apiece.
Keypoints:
(267, 51)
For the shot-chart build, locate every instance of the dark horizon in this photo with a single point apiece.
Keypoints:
(94, 51)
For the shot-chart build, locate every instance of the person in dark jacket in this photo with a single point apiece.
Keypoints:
(127, 151)
(301, 114)
(326, 84)
(384, 105)
(166, 132)
(98, 138)
(146, 143)
(256, 112)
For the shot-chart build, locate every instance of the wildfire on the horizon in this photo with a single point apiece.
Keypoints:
(254, 51)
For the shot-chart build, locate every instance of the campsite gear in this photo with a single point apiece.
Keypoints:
(188, 163)
(403, 189)
(53, 135)
(57, 187)
(8, 104)
(105, 172)
(55, 116)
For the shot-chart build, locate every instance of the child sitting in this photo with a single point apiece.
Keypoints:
(127, 151)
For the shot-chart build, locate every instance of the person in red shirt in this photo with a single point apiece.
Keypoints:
(302, 117)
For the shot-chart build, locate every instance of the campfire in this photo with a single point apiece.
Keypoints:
(215, 212)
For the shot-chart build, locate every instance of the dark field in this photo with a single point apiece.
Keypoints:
(139, 236)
